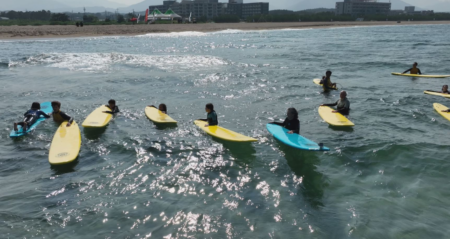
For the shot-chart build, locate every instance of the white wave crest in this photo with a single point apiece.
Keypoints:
(103, 62)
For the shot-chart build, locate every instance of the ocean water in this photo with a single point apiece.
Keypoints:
(385, 178)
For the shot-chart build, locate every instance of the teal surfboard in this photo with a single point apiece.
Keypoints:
(46, 107)
(294, 140)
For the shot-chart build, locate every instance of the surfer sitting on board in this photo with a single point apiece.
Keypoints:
(212, 115)
(291, 122)
(112, 105)
(326, 82)
(58, 115)
(343, 105)
(30, 117)
(414, 70)
(162, 108)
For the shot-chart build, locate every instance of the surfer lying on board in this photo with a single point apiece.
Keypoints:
(162, 108)
(291, 122)
(414, 70)
(443, 91)
(58, 115)
(112, 106)
(343, 105)
(326, 82)
(31, 116)
(211, 117)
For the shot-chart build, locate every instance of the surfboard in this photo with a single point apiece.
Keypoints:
(65, 145)
(157, 116)
(437, 94)
(46, 107)
(317, 82)
(439, 108)
(97, 118)
(423, 76)
(222, 133)
(294, 140)
(335, 119)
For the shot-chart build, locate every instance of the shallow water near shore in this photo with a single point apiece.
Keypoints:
(385, 178)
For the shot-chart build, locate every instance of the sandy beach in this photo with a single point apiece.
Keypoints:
(52, 31)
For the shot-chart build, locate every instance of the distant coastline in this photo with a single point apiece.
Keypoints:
(58, 31)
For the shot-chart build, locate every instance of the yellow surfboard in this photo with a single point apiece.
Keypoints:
(335, 119)
(424, 76)
(65, 145)
(437, 94)
(157, 116)
(317, 82)
(97, 118)
(439, 108)
(223, 133)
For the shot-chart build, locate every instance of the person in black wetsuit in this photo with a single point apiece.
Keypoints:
(30, 117)
(58, 115)
(414, 70)
(343, 104)
(211, 118)
(162, 108)
(113, 107)
(291, 122)
(443, 91)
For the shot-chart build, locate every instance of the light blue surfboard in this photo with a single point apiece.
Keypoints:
(46, 107)
(294, 140)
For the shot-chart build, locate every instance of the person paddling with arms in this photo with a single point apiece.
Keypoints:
(414, 70)
(343, 104)
(291, 123)
(443, 91)
(58, 115)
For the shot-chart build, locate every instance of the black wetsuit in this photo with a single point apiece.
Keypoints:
(414, 71)
(343, 106)
(32, 115)
(116, 110)
(212, 118)
(61, 117)
(293, 125)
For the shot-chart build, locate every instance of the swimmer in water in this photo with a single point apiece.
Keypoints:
(291, 123)
(343, 104)
(414, 70)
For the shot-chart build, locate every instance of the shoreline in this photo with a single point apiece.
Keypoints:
(69, 31)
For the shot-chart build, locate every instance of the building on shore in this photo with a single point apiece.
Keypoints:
(213, 8)
(362, 7)
(4, 19)
(410, 10)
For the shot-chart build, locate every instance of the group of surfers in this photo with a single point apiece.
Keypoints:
(291, 122)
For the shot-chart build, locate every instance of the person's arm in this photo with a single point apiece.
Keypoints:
(407, 70)
(277, 123)
(344, 110)
(152, 106)
(116, 110)
(418, 70)
(66, 117)
(330, 104)
(44, 114)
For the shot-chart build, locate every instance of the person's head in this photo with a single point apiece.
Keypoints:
(162, 107)
(56, 105)
(36, 106)
(112, 104)
(328, 73)
(415, 64)
(292, 114)
(209, 107)
(343, 94)
(445, 88)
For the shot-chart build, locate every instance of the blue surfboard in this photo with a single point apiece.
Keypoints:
(46, 107)
(294, 140)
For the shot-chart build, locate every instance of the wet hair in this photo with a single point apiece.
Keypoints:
(56, 103)
(444, 86)
(294, 111)
(36, 105)
(210, 106)
(111, 101)
(415, 63)
(163, 106)
(329, 72)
